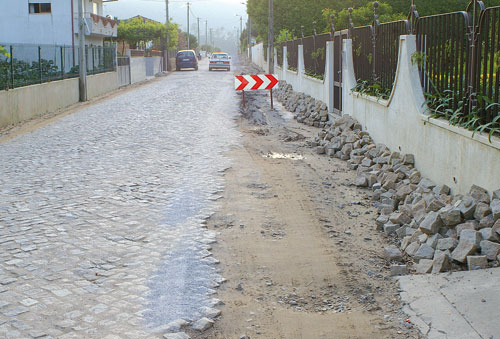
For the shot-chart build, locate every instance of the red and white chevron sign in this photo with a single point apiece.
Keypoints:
(255, 82)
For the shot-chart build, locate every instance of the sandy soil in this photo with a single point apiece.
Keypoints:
(298, 243)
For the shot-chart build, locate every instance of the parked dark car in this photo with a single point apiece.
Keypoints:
(186, 59)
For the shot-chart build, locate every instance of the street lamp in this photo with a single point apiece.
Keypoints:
(241, 29)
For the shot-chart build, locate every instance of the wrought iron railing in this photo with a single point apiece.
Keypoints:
(487, 80)
(292, 53)
(443, 46)
(362, 52)
(387, 50)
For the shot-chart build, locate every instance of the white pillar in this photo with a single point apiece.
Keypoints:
(329, 76)
(348, 77)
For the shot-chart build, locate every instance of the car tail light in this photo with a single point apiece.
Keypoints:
(212, 62)
(226, 62)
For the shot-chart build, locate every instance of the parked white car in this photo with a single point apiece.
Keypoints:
(220, 61)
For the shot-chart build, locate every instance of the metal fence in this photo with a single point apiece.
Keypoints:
(487, 72)
(279, 54)
(315, 53)
(459, 63)
(442, 41)
(362, 52)
(293, 54)
(31, 64)
(387, 51)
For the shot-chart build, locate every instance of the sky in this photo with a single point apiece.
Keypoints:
(219, 13)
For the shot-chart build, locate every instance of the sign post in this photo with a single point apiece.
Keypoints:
(255, 82)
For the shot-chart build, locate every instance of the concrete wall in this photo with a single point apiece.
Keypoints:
(137, 69)
(443, 153)
(258, 57)
(27, 102)
(316, 88)
(153, 65)
(24, 103)
(102, 83)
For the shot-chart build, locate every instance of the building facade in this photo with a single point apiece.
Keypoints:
(53, 22)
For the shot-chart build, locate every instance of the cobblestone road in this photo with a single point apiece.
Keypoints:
(100, 212)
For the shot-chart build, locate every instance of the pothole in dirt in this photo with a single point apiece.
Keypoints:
(275, 155)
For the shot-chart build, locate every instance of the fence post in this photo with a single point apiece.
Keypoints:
(93, 59)
(62, 62)
(301, 35)
(413, 18)
(351, 24)
(374, 41)
(476, 7)
(40, 62)
(332, 27)
(12, 66)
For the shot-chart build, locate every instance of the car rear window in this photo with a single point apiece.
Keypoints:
(185, 54)
(219, 56)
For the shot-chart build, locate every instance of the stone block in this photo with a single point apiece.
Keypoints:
(426, 183)
(424, 252)
(390, 228)
(489, 249)
(392, 253)
(482, 210)
(412, 248)
(434, 204)
(397, 270)
(409, 159)
(432, 241)
(450, 215)
(441, 262)
(496, 194)
(177, 335)
(446, 244)
(401, 232)
(415, 177)
(467, 207)
(487, 221)
(495, 209)
(361, 181)
(467, 245)
(468, 225)
(489, 234)
(399, 218)
(203, 324)
(441, 189)
(476, 262)
(431, 223)
(479, 194)
(424, 266)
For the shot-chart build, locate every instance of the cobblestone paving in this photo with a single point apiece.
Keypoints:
(101, 212)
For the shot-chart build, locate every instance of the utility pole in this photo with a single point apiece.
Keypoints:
(206, 33)
(188, 25)
(199, 42)
(271, 37)
(167, 43)
(81, 53)
(249, 29)
(211, 38)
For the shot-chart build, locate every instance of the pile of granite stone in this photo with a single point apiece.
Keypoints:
(306, 109)
(440, 231)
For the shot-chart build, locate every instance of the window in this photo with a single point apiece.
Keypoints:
(37, 8)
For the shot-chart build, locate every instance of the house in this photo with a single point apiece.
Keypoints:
(53, 22)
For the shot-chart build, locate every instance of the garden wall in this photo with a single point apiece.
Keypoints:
(443, 153)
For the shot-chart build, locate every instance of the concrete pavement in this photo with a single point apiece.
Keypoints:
(455, 305)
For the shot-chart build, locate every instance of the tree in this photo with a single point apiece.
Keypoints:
(3, 51)
(193, 41)
(362, 16)
(138, 30)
